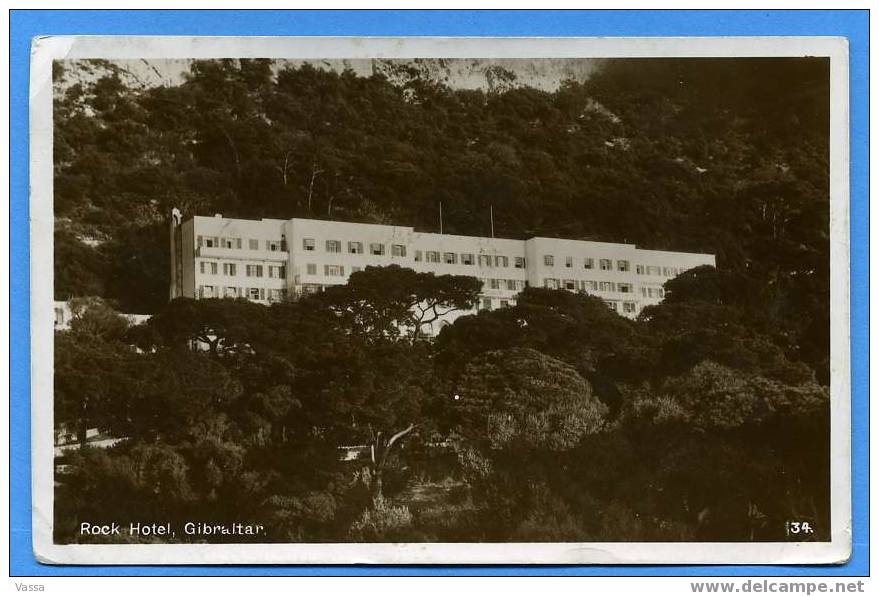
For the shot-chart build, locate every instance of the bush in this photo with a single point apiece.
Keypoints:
(383, 522)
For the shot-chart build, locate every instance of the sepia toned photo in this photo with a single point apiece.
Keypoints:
(401, 309)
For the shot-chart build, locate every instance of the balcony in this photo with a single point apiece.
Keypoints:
(238, 254)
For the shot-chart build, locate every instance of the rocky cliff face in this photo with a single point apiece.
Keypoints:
(457, 73)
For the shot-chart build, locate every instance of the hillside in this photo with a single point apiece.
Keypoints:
(721, 156)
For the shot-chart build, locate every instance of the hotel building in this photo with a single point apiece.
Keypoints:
(273, 259)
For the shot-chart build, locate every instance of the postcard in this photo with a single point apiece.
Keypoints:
(440, 300)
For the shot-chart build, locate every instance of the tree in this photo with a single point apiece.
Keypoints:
(93, 317)
(92, 367)
(385, 302)
(90, 374)
(701, 283)
(520, 399)
(711, 397)
(224, 326)
(173, 391)
(78, 267)
(687, 333)
(579, 329)
(381, 398)
(732, 454)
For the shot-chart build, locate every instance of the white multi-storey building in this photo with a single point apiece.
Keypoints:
(272, 259)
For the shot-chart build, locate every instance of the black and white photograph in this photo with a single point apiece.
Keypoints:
(408, 308)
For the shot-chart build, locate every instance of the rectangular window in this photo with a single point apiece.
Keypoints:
(450, 258)
(311, 288)
(433, 256)
(511, 285)
(273, 245)
(276, 295)
(208, 241)
(494, 284)
(622, 265)
(605, 286)
(253, 293)
(605, 264)
(417, 256)
(307, 243)
(207, 292)
(466, 258)
(311, 269)
(548, 260)
(277, 272)
(505, 303)
(231, 243)
(589, 263)
(398, 250)
(653, 270)
(231, 292)
(519, 262)
(334, 246)
(570, 284)
(628, 307)
(355, 248)
(590, 285)
(669, 271)
(639, 269)
(611, 305)
(376, 249)
(254, 271)
(552, 284)
(484, 261)
(624, 288)
(229, 269)
(208, 267)
(569, 261)
(485, 304)
(253, 244)
(334, 270)
(501, 261)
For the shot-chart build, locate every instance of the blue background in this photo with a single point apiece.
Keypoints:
(25, 24)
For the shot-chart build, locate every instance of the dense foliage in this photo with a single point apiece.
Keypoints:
(332, 418)
(722, 156)
(555, 419)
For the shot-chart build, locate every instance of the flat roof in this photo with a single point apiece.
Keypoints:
(462, 236)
